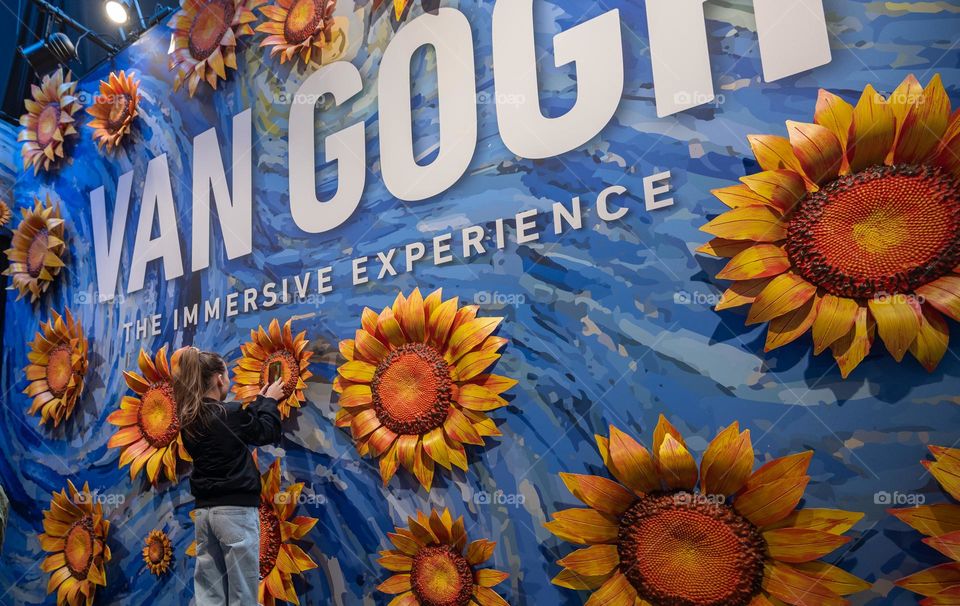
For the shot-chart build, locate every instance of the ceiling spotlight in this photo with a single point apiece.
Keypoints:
(116, 11)
(45, 55)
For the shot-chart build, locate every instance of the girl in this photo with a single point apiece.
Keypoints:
(225, 481)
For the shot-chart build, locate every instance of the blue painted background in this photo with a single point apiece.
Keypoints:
(600, 332)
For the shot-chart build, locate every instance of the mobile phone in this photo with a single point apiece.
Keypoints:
(275, 372)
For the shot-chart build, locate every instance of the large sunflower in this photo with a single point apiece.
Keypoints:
(157, 552)
(148, 425)
(413, 390)
(306, 28)
(852, 229)
(940, 523)
(115, 109)
(58, 363)
(740, 540)
(280, 559)
(75, 536)
(432, 569)
(49, 120)
(205, 36)
(5, 214)
(268, 347)
(37, 249)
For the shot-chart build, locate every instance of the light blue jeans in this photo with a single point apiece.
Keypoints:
(228, 556)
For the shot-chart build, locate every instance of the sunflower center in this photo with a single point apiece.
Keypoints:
(884, 230)
(302, 20)
(78, 547)
(441, 577)
(59, 369)
(119, 112)
(411, 389)
(270, 539)
(209, 26)
(289, 371)
(682, 549)
(155, 550)
(158, 417)
(48, 123)
(37, 252)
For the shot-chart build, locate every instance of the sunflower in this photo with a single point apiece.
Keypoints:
(853, 228)
(270, 347)
(280, 559)
(304, 27)
(49, 120)
(115, 109)
(413, 390)
(148, 425)
(5, 214)
(653, 538)
(37, 251)
(205, 36)
(75, 536)
(433, 570)
(940, 524)
(158, 552)
(58, 363)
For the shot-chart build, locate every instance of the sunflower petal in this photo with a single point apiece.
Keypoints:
(834, 521)
(818, 150)
(737, 196)
(932, 581)
(616, 591)
(835, 114)
(740, 293)
(835, 317)
(583, 526)
(943, 294)
(930, 520)
(759, 261)
(794, 587)
(727, 462)
(897, 321)
(796, 545)
(773, 152)
(872, 131)
(783, 294)
(835, 579)
(771, 502)
(600, 493)
(924, 125)
(631, 463)
(932, 338)
(593, 561)
(791, 325)
(853, 347)
(678, 469)
(755, 223)
(783, 188)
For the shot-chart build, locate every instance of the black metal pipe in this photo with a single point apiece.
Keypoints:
(63, 17)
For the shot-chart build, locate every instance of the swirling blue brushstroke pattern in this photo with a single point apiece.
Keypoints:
(608, 324)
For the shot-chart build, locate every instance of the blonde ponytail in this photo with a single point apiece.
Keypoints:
(194, 376)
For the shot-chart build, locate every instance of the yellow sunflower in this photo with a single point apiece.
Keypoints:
(75, 536)
(115, 109)
(268, 347)
(148, 425)
(940, 523)
(157, 552)
(413, 390)
(431, 568)
(37, 251)
(740, 540)
(205, 36)
(280, 559)
(5, 214)
(306, 28)
(58, 363)
(852, 229)
(49, 120)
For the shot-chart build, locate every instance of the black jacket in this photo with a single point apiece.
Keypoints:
(223, 469)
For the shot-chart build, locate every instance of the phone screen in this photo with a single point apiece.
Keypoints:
(276, 371)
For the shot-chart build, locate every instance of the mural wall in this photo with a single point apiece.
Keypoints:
(545, 335)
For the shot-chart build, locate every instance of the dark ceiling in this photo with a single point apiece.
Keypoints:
(22, 23)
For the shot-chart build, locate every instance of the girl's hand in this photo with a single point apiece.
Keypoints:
(274, 390)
